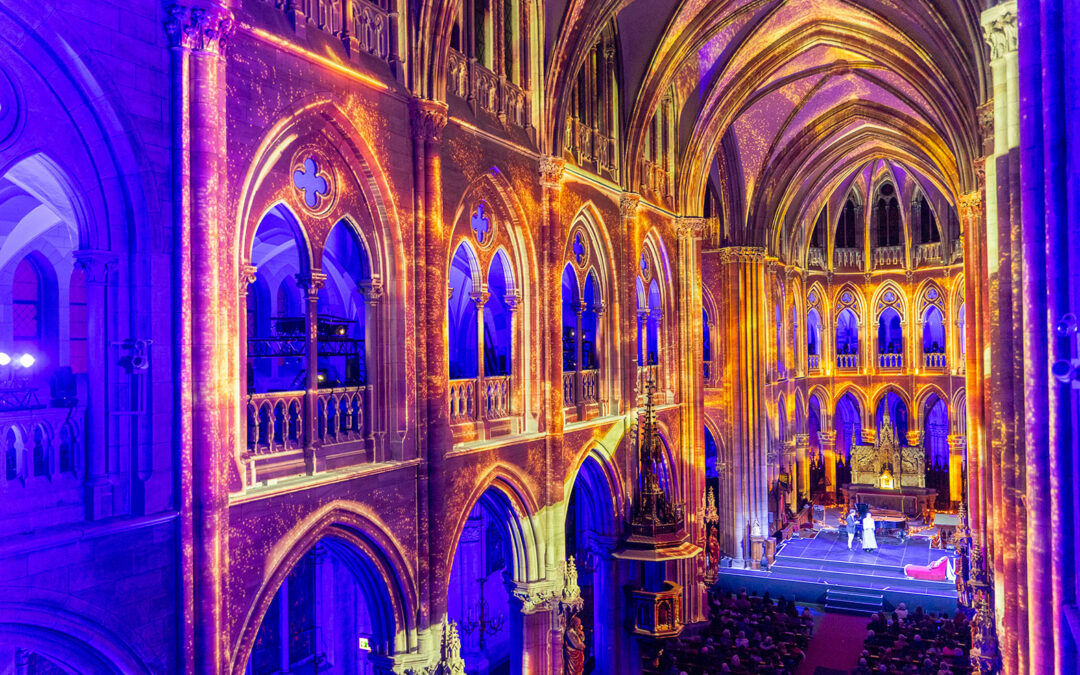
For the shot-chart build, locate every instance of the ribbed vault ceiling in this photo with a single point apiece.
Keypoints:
(781, 101)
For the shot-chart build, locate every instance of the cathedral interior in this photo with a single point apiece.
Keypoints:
(539, 337)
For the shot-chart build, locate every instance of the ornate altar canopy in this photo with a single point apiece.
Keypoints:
(887, 465)
(889, 475)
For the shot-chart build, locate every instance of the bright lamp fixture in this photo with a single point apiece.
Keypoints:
(4, 359)
(26, 360)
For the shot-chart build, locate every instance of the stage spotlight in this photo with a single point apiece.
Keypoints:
(26, 360)
(4, 358)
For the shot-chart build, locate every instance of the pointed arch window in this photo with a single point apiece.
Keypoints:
(887, 217)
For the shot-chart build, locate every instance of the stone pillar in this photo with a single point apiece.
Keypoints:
(802, 462)
(311, 283)
(742, 279)
(827, 441)
(626, 258)
(1051, 290)
(956, 467)
(197, 38)
(692, 395)
(517, 369)
(552, 405)
(480, 298)
(535, 637)
(427, 119)
(374, 346)
(96, 267)
(1005, 263)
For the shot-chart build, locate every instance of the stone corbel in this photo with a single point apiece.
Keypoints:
(690, 228)
(199, 29)
(534, 596)
(96, 266)
(551, 171)
(629, 202)
(311, 283)
(372, 290)
(428, 118)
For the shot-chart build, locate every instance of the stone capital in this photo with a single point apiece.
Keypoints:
(742, 254)
(690, 228)
(372, 290)
(534, 596)
(311, 283)
(247, 275)
(1000, 29)
(199, 29)
(428, 118)
(96, 266)
(629, 202)
(480, 298)
(551, 171)
(513, 300)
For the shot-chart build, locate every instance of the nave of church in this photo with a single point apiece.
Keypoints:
(539, 337)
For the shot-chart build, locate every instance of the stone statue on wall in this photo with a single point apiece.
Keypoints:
(574, 648)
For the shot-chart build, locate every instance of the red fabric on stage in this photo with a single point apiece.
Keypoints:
(935, 571)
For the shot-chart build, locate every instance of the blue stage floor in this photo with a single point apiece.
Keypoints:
(806, 569)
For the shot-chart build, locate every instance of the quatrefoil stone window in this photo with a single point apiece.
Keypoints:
(308, 181)
(481, 225)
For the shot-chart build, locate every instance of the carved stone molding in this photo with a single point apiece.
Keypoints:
(742, 254)
(372, 290)
(690, 228)
(95, 265)
(534, 596)
(428, 118)
(1000, 29)
(551, 171)
(199, 29)
(247, 275)
(311, 283)
(628, 205)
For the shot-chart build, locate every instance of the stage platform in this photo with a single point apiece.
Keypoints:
(823, 571)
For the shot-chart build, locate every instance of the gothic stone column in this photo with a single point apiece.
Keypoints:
(742, 280)
(1005, 371)
(96, 266)
(197, 39)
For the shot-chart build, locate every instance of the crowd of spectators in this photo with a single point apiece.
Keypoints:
(916, 643)
(745, 634)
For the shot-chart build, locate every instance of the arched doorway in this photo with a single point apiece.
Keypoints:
(489, 558)
(332, 613)
(590, 538)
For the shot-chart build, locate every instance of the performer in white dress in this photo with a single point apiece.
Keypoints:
(869, 540)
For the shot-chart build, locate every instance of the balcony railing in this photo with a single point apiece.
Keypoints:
(817, 258)
(587, 392)
(492, 94)
(888, 256)
(891, 361)
(369, 30)
(341, 415)
(568, 388)
(275, 421)
(927, 254)
(848, 258)
(42, 443)
(847, 361)
(813, 361)
(590, 386)
(479, 399)
(935, 361)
